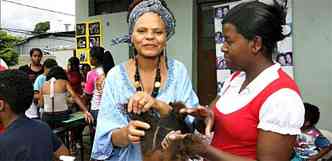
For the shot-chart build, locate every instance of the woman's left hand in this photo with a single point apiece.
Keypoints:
(172, 137)
(88, 117)
(202, 113)
(141, 102)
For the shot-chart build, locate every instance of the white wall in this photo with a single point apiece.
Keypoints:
(313, 54)
(181, 45)
(62, 56)
(81, 9)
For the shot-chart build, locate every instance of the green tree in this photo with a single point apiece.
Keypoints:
(7, 48)
(42, 27)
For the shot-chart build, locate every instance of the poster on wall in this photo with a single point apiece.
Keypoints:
(89, 34)
(285, 47)
(284, 54)
(222, 71)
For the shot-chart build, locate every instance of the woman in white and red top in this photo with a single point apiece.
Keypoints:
(259, 111)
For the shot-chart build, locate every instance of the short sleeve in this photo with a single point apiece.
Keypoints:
(37, 85)
(90, 82)
(109, 118)
(282, 112)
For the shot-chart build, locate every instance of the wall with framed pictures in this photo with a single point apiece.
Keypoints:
(89, 34)
(283, 55)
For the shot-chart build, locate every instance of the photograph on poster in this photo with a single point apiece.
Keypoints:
(287, 30)
(218, 37)
(220, 12)
(94, 28)
(221, 64)
(80, 29)
(83, 57)
(285, 59)
(94, 41)
(219, 86)
(81, 42)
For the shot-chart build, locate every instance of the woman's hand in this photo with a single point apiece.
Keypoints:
(141, 102)
(135, 130)
(171, 137)
(202, 113)
(88, 117)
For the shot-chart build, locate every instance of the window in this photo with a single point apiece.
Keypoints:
(98, 7)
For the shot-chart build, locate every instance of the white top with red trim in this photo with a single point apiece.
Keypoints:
(275, 114)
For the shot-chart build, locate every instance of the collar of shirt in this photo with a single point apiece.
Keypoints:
(248, 93)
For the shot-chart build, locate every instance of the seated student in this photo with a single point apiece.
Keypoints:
(41, 79)
(53, 97)
(24, 138)
(310, 144)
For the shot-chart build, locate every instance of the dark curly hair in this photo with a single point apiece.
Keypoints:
(16, 89)
(74, 63)
(258, 19)
(108, 62)
(312, 113)
(35, 49)
(97, 53)
(57, 72)
(49, 63)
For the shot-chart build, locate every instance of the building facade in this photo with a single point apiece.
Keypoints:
(59, 45)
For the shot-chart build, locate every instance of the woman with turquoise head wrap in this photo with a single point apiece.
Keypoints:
(147, 82)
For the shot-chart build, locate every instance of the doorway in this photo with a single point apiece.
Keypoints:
(206, 50)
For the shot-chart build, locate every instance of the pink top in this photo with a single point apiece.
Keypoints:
(90, 81)
(94, 85)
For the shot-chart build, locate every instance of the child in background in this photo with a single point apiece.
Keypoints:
(310, 145)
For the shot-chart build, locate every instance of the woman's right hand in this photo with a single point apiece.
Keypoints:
(135, 131)
(204, 113)
(88, 117)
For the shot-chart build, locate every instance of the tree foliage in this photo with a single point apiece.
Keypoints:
(42, 27)
(7, 48)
